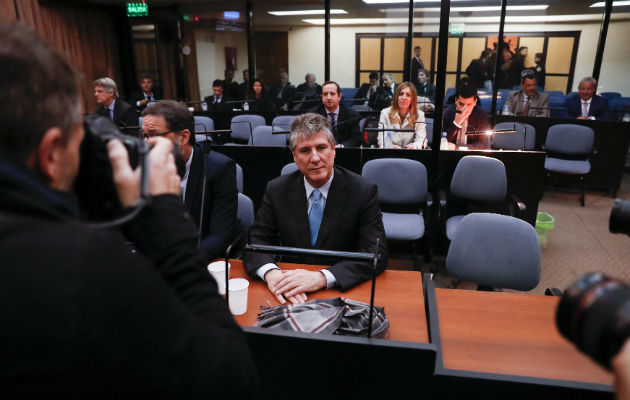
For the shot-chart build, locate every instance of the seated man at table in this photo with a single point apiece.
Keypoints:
(465, 122)
(344, 120)
(217, 102)
(586, 105)
(171, 120)
(528, 102)
(320, 206)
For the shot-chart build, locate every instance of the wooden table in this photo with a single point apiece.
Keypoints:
(400, 292)
(509, 334)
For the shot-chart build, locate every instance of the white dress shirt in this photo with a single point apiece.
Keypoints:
(184, 181)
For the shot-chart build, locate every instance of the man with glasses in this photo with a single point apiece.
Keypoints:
(216, 217)
(528, 101)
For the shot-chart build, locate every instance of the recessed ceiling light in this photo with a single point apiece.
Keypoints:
(469, 9)
(306, 12)
(402, 1)
(615, 4)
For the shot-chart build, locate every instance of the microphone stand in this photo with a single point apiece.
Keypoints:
(341, 255)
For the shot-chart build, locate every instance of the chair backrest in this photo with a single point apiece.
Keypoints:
(282, 122)
(495, 250)
(287, 169)
(570, 139)
(400, 181)
(263, 136)
(429, 128)
(610, 95)
(479, 178)
(239, 178)
(243, 125)
(525, 135)
(361, 107)
(203, 124)
(245, 212)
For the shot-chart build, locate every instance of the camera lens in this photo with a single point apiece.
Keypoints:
(620, 217)
(594, 313)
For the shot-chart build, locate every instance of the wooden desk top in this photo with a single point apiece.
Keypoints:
(400, 292)
(512, 334)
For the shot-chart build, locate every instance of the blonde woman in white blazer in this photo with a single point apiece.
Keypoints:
(404, 114)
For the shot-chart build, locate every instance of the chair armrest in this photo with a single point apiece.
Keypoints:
(442, 210)
(553, 292)
(516, 206)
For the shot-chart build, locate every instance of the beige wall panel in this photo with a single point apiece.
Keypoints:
(559, 50)
(451, 58)
(370, 54)
(398, 77)
(556, 83)
(450, 81)
(394, 54)
(471, 49)
(534, 45)
(364, 77)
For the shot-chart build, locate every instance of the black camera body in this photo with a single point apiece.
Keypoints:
(94, 186)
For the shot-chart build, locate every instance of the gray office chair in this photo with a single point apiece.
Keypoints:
(402, 194)
(245, 212)
(243, 125)
(361, 107)
(479, 183)
(203, 124)
(239, 178)
(283, 123)
(263, 136)
(429, 129)
(523, 139)
(568, 148)
(287, 169)
(495, 251)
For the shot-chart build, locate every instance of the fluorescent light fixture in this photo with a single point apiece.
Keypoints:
(469, 9)
(464, 20)
(602, 4)
(306, 12)
(402, 1)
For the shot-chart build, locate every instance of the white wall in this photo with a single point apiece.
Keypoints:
(211, 56)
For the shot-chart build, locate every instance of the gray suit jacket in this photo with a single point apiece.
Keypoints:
(352, 222)
(538, 104)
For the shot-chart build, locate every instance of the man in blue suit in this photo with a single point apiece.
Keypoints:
(586, 105)
(216, 217)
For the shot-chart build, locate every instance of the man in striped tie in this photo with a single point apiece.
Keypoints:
(319, 206)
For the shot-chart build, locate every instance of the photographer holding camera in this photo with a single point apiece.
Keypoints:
(82, 315)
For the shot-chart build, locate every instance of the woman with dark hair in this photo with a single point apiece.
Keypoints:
(403, 114)
(262, 102)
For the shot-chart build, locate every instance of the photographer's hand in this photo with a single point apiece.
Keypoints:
(163, 176)
(621, 369)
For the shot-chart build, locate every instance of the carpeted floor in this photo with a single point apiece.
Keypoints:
(579, 243)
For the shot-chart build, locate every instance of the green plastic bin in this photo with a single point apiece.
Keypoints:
(544, 223)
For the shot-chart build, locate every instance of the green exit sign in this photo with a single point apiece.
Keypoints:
(457, 29)
(137, 10)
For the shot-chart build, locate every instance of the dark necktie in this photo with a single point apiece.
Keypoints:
(315, 215)
(526, 112)
(333, 121)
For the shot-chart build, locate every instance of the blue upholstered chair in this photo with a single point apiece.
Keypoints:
(203, 124)
(523, 139)
(569, 147)
(287, 169)
(245, 212)
(479, 184)
(239, 178)
(361, 107)
(496, 251)
(263, 136)
(610, 95)
(402, 195)
(243, 125)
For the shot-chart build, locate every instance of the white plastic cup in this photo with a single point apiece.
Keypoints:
(238, 295)
(217, 270)
(191, 109)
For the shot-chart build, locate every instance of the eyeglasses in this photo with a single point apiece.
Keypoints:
(146, 135)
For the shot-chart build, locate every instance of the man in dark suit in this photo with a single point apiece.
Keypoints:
(112, 107)
(146, 94)
(169, 119)
(343, 120)
(586, 105)
(319, 206)
(283, 93)
(307, 94)
(416, 63)
(384, 94)
(466, 116)
(230, 87)
(218, 100)
(367, 89)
